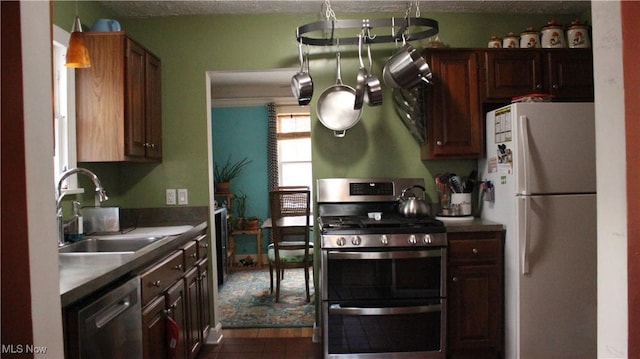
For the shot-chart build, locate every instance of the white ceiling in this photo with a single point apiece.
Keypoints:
(149, 8)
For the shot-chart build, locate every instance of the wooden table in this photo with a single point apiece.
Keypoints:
(289, 225)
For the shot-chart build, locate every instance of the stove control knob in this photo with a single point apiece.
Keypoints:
(384, 240)
(356, 240)
(412, 239)
(341, 241)
(427, 239)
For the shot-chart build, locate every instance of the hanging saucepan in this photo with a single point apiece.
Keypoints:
(335, 106)
(411, 206)
(301, 83)
(361, 79)
(406, 68)
(405, 103)
(408, 118)
(374, 89)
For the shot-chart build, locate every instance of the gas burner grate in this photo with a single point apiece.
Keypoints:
(387, 221)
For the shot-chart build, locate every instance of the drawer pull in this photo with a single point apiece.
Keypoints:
(155, 284)
(194, 255)
(178, 267)
(475, 251)
(455, 279)
(204, 245)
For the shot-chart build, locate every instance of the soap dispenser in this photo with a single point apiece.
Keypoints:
(75, 230)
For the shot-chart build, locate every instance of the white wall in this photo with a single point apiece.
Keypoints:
(611, 174)
(43, 253)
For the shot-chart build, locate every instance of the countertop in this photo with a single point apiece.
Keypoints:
(79, 277)
(478, 225)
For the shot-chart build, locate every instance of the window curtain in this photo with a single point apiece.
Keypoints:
(272, 147)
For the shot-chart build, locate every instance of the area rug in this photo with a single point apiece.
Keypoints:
(246, 302)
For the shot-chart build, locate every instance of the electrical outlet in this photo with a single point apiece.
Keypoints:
(171, 196)
(183, 196)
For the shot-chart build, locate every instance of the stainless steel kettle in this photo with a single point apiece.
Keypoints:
(411, 206)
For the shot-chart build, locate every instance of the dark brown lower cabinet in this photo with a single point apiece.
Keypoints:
(475, 295)
(176, 300)
(203, 299)
(193, 326)
(177, 287)
(154, 329)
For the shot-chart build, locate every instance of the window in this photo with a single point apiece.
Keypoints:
(294, 149)
(64, 93)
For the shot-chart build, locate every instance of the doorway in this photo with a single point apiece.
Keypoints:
(233, 89)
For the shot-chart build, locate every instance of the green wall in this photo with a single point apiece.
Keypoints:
(189, 46)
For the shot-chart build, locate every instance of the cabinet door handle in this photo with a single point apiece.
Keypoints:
(439, 143)
(555, 86)
(475, 251)
(455, 279)
(538, 86)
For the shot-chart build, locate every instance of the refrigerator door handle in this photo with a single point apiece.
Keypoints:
(523, 182)
(526, 232)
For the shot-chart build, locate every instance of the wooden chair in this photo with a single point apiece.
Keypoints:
(282, 254)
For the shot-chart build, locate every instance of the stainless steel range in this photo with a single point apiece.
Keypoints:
(383, 275)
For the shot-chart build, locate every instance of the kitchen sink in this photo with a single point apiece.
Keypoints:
(103, 245)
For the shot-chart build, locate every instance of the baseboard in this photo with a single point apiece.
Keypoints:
(317, 333)
(215, 335)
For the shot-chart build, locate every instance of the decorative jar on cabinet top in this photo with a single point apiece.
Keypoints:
(510, 41)
(552, 35)
(578, 35)
(529, 38)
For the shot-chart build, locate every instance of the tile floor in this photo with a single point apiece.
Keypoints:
(284, 343)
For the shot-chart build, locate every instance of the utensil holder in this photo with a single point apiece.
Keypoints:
(461, 204)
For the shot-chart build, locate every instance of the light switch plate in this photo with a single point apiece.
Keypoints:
(183, 196)
(171, 196)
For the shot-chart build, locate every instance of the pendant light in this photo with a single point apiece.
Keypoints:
(77, 53)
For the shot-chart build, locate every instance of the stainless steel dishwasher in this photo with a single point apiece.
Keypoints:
(108, 325)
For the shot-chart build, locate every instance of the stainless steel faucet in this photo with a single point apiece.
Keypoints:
(101, 196)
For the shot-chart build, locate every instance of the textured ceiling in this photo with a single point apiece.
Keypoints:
(148, 8)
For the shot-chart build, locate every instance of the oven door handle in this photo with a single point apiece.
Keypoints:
(338, 310)
(385, 254)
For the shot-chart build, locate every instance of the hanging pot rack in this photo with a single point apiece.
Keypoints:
(400, 29)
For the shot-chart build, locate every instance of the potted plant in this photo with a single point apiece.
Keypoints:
(241, 207)
(241, 222)
(224, 174)
(251, 223)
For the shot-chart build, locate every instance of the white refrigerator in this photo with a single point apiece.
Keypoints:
(541, 162)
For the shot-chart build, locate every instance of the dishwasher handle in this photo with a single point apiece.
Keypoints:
(110, 313)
